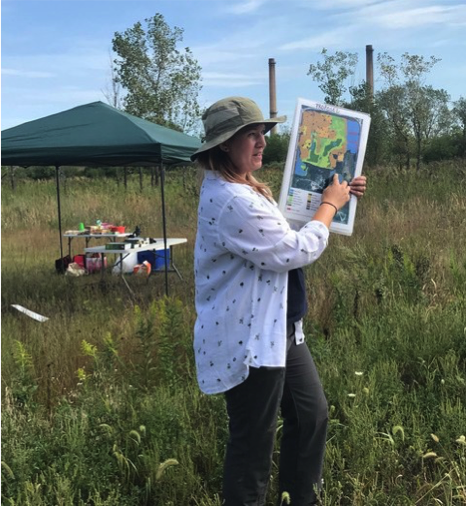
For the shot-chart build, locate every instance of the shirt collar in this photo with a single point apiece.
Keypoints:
(212, 175)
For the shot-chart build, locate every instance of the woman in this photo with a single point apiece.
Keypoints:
(249, 342)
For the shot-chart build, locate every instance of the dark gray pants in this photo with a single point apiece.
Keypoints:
(253, 407)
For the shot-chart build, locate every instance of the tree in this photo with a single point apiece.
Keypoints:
(458, 115)
(113, 93)
(393, 102)
(436, 118)
(332, 73)
(422, 100)
(363, 100)
(412, 108)
(276, 148)
(162, 81)
(429, 115)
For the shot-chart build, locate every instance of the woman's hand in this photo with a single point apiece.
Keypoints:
(358, 186)
(334, 197)
(336, 193)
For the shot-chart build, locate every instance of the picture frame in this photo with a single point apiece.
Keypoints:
(324, 140)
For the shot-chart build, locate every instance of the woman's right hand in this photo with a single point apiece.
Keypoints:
(336, 193)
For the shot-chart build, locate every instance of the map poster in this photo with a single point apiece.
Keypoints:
(325, 140)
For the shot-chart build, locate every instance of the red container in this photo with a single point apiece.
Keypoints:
(79, 259)
(121, 229)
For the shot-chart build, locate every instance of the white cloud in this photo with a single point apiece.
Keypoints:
(65, 95)
(68, 79)
(367, 12)
(243, 52)
(326, 39)
(376, 22)
(214, 54)
(440, 43)
(220, 79)
(61, 66)
(422, 16)
(26, 73)
(325, 5)
(245, 7)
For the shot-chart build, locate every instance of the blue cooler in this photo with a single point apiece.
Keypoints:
(155, 258)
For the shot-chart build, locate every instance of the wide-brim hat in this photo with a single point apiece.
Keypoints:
(227, 116)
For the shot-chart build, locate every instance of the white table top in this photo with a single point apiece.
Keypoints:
(89, 235)
(158, 245)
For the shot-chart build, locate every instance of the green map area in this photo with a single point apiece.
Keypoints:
(323, 139)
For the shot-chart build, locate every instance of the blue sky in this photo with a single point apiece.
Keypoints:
(56, 53)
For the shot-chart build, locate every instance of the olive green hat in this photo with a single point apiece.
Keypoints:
(227, 116)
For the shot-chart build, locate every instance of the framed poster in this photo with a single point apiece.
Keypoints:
(325, 140)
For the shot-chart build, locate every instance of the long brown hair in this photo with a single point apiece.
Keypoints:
(217, 160)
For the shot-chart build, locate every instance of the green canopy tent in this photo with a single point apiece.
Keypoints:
(96, 135)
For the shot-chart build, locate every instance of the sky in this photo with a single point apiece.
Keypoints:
(56, 54)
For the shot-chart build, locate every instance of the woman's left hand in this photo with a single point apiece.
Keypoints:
(358, 186)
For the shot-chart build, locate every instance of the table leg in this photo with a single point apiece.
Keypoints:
(85, 254)
(177, 271)
(173, 265)
(102, 265)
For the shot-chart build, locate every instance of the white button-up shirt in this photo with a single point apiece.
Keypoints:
(243, 252)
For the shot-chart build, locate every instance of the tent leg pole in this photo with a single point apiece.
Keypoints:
(164, 226)
(57, 180)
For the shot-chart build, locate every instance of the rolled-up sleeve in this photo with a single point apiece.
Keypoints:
(259, 233)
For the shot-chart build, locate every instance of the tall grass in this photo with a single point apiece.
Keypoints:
(100, 403)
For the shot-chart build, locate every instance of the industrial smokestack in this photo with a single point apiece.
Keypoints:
(369, 69)
(272, 92)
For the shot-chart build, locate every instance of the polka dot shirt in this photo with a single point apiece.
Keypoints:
(244, 249)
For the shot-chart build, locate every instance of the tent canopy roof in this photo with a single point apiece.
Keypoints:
(94, 134)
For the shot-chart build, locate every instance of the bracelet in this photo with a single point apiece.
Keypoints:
(330, 204)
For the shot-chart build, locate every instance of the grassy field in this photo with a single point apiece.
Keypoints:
(100, 404)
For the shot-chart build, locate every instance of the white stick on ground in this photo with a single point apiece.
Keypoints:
(31, 314)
